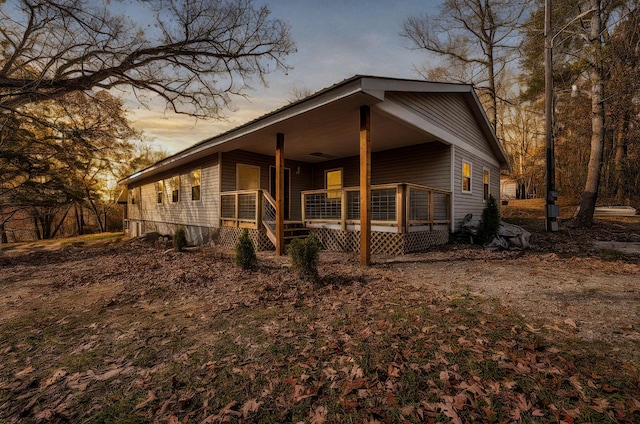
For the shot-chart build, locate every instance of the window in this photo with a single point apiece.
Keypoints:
(195, 185)
(248, 177)
(159, 191)
(175, 189)
(466, 177)
(135, 195)
(485, 182)
(333, 183)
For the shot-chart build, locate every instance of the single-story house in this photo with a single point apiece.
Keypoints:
(423, 153)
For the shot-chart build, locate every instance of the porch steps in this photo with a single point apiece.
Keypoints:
(294, 230)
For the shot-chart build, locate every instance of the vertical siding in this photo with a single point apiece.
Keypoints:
(299, 182)
(448, 111)
(203, 212)
(473, 202)
(424, 164)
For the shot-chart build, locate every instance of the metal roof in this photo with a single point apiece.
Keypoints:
(324, 123)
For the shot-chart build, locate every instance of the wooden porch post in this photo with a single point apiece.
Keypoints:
(279, 194)
(365, 186)
(402, 193)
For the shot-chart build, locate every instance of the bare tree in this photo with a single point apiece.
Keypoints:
(194, 54)
(599, 18)
(299, 93)
(524, 144)
(624, 86)
(475, 38)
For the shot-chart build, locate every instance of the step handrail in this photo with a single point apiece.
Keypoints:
(269, 216)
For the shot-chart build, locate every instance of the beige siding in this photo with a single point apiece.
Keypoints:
(202, 213)
(299, 181)
(473, 203)
(425, 164)
(448, 111)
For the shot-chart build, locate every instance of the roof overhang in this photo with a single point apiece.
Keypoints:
(326, 125)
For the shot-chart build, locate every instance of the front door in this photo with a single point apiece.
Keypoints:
(287, 187)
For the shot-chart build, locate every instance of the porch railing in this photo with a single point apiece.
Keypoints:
(241, 208)
(249, 209)
(398, 207)
(269, 216)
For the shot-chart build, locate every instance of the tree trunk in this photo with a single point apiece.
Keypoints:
(36, 226)
(45, 224)
(620, 155)
(493, 104)
(594, 168)
(57, 227)
(79, 219)
(96, 213)
(3, 234)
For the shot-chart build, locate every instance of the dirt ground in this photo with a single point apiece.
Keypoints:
(98, 329)
(564, 282)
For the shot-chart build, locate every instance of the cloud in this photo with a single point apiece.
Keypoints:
(336, 39)
(177, 132)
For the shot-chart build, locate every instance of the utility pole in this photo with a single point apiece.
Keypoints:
(552, 210)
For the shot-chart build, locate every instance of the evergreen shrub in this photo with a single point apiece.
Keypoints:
(304, 256)
(179, 239)
(245, 251)
(489, 222)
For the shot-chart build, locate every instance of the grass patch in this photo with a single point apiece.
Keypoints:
(611, 254)
(119, 410)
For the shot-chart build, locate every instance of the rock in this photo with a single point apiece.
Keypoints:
(150, 236)
(470, 225)
(517, 236)
(509, 236)
(497, 244)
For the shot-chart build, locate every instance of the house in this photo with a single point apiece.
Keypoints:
(423, 153)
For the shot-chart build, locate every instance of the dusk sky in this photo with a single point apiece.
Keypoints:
(335, 40)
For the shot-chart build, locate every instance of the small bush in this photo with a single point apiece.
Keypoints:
(245, 252)
(304, 256)
(179, 239)
(489, 222)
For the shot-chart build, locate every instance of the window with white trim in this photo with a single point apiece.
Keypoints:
(159, 191)
(175, 189)
(466, 177)
(247, 177)
(135, 195)
(485, 184)
(195, 184)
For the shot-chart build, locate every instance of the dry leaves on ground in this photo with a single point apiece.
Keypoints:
(136, 333)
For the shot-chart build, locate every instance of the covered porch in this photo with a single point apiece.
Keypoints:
(342, 130)
(404, 217)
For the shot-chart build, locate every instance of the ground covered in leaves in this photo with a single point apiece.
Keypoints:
(131, 332)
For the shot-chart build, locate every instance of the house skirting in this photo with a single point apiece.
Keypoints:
(196, 235)
(229, 236)
(383, 243)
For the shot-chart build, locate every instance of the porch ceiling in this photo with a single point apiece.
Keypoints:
(325, 125)
(332, 131)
